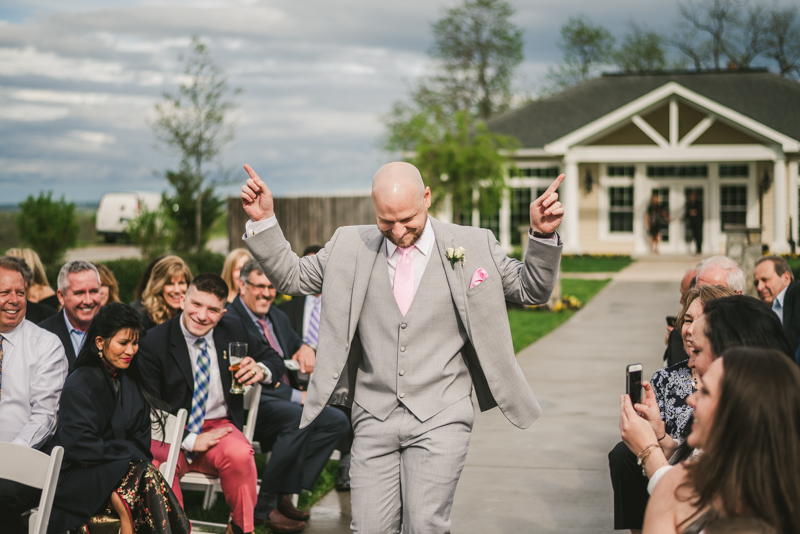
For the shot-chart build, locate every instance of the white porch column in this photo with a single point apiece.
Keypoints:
(641, 199)
(569, 194)
(779, 244)
(505, 221)
(793, 200)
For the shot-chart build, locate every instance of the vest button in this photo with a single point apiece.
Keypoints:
(335, 375)
(402, 372)
(402, 395)
(402, 349)
(403, 325)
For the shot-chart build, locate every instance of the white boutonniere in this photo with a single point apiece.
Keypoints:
(455, 255)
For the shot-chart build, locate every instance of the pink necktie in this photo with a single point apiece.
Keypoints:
(403, 287)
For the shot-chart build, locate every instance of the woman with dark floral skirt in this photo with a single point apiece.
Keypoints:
(104, 427)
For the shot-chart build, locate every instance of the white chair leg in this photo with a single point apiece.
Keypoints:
(208, 500)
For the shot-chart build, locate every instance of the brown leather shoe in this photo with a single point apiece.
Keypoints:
(278, 522)
(288, 509)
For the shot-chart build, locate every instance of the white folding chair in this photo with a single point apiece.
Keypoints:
(173, 430)
(210, 484)
(33, 468)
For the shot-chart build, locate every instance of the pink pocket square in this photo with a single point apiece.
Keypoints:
(479, 276)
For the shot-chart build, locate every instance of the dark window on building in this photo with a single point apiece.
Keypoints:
(620, 170)
(492, 223)
(677, 171)
(733, 205)
(734, 171)
(620, 209)
(520, 211)
(539, 172)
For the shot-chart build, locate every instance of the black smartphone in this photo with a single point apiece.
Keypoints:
(633, 382)
(671, 321)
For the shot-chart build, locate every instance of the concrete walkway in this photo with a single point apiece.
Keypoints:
(553, 477)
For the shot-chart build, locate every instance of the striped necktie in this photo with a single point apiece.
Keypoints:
(312, 336)
(200, 396)
(1, 365)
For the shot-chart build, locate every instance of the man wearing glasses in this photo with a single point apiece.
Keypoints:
(298, 455)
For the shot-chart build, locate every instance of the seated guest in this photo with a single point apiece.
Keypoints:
(79, 294)
(33, 368)
(104, 427)
(109, 288)
(298, 454)
(40, 290)
(669, 387)
(164, 293)
(737, 321)
(773, 280)
(675, 353)
(721, 271)
(234, 262)
(186, 359)
(35, 312)
(747, 422)
(303, 314)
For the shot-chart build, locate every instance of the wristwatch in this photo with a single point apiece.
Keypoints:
(540, 235)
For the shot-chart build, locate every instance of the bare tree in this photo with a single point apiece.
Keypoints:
(193, 124)
(746, 37)
(783, 39)
(712, 17)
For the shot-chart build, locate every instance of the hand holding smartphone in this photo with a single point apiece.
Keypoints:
(633, 383)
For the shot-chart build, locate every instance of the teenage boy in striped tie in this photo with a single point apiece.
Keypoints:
(186, 358)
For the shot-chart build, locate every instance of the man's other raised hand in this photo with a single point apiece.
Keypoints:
(546, 211)
(256, 197)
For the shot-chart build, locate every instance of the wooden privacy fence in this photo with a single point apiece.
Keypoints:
(306, 220)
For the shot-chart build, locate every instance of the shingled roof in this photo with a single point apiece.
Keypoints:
(760, 95)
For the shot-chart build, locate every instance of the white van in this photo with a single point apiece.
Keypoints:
(116, 209)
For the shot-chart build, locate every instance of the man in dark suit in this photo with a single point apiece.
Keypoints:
(79, 294)
(186, 359)
(774, 282)
(298, 455)
(301, 313)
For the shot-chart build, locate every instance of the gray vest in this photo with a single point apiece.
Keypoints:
(414, 360)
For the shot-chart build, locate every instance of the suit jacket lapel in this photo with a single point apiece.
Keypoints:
(365, 259)
(180, 352)
(455, 274)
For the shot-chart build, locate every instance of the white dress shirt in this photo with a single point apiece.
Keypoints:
(216, 408)
(34, 370)
(777, 304)
(419, 255)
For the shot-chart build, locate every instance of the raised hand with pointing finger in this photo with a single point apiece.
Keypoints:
(546, 211)
(256, 197)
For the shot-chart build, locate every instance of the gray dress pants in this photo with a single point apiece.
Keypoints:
(404, 472)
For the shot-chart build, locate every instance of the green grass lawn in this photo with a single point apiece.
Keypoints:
(587, 263)
(220, 512)
(528, 325)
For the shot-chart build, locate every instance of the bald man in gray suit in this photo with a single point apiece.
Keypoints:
(414, 317)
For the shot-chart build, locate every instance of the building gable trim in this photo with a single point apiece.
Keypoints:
(631, 110)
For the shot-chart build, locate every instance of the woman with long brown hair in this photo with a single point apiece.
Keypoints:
(747, 421)
(163, 296)
(234, 262)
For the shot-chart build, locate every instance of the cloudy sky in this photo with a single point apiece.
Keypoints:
(79, 79)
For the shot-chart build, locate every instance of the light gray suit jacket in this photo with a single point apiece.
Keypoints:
(341, 271)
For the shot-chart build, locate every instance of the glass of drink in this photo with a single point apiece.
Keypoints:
(237, 351)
